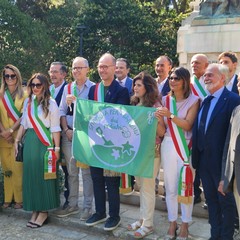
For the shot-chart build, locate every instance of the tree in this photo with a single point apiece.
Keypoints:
(23, 40)
(126, 29)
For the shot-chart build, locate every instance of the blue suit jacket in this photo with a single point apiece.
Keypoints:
(115, 94)
(235, 88)
(166, 88)
(128, 85)
(216, 132)
(60, 93)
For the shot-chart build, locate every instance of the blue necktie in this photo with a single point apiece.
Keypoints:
(202, 123)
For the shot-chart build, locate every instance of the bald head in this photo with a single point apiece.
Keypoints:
(106, 68)
(163, 66)
(199, 63)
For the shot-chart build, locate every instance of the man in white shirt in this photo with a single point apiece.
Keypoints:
(230, 59)
(77, 89)
(199, 63)
(121, 72)
(58, 72)
(163, 66)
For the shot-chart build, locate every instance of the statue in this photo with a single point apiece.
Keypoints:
(218, 8)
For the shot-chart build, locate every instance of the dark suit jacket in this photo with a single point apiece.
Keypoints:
(216, 132)
(166, 88)
(115, 94)
(234, 88)
(231, 153)
(128, 85)
(60, 93)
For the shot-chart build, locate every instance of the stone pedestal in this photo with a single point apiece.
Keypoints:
(210, 36)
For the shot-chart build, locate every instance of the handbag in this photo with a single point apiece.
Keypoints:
(19, 157)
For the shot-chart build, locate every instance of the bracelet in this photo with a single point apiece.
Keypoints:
(57, 149)
(66, 130)
(17, 140)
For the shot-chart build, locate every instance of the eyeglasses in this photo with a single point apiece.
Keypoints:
(104, 67)
(12, 76)
(78, 69)
(175, 78)
(37, 85)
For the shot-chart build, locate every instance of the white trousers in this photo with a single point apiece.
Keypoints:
(172, 164)
(147, 195)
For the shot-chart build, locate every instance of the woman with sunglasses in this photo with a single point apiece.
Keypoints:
(146, 94)
(179, 112)
(11, 105)
(41, 126)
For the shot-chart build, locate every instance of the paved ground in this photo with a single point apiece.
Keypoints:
(13, 226)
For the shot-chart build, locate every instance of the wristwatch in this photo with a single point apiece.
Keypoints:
(10, 130)
(172, 116)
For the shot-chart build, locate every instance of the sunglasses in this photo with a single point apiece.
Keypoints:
(175, 78)
(37, 85)
(12, 76)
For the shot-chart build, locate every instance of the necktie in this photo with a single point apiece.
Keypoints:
(202, 123)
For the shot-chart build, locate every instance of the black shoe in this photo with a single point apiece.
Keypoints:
(197, 200)
(95, 219)
(205, 206)
(112, 223)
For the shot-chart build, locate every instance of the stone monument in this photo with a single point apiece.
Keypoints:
(212, 27)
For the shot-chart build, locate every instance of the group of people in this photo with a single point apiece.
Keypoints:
(194, 137)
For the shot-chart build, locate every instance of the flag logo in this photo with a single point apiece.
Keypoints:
(113, 133)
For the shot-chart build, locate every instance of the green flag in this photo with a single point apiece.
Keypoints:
(115, 137)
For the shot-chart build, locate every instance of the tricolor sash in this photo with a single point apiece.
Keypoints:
(52, 90)
(197, 88)
(72, 89)
(185, 184)
(45, 137)
(125, 181)
(10, 107)
(99, 92)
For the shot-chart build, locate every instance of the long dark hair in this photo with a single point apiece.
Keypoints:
(44, 101)
(152, 94)
(184, 74)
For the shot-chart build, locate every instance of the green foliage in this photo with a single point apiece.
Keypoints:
(35, 33)
(127, 29)
(23, 41)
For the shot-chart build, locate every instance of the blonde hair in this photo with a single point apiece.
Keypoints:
(19, 90)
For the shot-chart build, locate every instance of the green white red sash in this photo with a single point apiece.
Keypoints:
(99, 92)
(52, 90)
(9, 105)
(45, 137)
(72, 89)
(125, 181)
(197, 88)
(185, 185)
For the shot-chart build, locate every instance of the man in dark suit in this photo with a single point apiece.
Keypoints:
(199, 63)
(121, 72)
(163, 66)
(209, 135)
(113, 93)
(230, 59)
(58, 72)
(231, 160)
